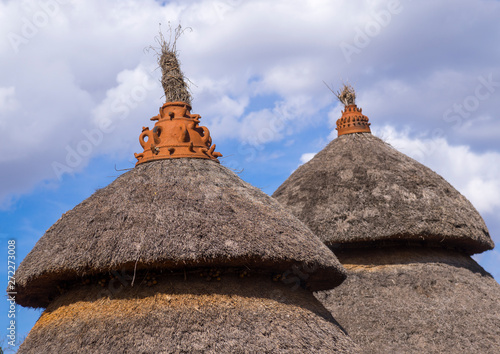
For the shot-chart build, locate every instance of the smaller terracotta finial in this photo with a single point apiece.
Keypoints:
(176, 134)
(352, 120)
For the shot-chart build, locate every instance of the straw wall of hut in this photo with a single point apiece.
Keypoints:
(416, 300)
(252, 314)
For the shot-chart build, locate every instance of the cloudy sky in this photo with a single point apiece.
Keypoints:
(77, 84)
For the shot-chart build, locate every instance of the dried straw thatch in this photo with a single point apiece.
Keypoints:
(173, 214)
(253, 315)
(347, 95)
(172, 79)
(416, 300)
(359, 190)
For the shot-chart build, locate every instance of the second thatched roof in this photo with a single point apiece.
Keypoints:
(359, 190)
(173, 214)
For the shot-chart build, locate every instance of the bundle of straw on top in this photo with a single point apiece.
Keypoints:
(172, 79)
(347, 95)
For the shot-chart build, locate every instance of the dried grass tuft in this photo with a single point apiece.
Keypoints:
(347, 95)
(172, 78)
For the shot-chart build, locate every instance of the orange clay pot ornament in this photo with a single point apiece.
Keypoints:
(176, 134)
(352, 121)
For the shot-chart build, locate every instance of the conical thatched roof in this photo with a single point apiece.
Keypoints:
(359, 189)
(416, 300)
(172, 214)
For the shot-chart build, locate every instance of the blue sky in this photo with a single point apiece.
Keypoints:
(76, 87)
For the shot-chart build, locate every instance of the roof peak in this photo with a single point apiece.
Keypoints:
(176, 134)
(352, 121)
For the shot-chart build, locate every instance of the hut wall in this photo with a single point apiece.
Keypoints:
(416, 300)
(254, 314)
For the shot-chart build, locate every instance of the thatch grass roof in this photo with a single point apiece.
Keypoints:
(359, 191)
(416, 300)
(173, 214)
(252, 315)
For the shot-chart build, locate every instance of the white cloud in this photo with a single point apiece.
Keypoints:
(8, 100)
(74, 63)
(306, 157)
(134, 87)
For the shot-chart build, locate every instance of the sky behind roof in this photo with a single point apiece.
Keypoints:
(77, 84)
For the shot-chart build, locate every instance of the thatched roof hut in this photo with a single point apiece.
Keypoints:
(179, 255)
(405, 235)
(359, 190)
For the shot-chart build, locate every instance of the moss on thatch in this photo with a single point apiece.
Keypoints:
(359, 191)
(416, 300)
(173, 214)
(253, 315)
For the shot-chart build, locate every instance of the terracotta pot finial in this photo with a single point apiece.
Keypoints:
(176, 134)
(352, 121)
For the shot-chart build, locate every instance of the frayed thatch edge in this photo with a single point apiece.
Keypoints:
(39, 292)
